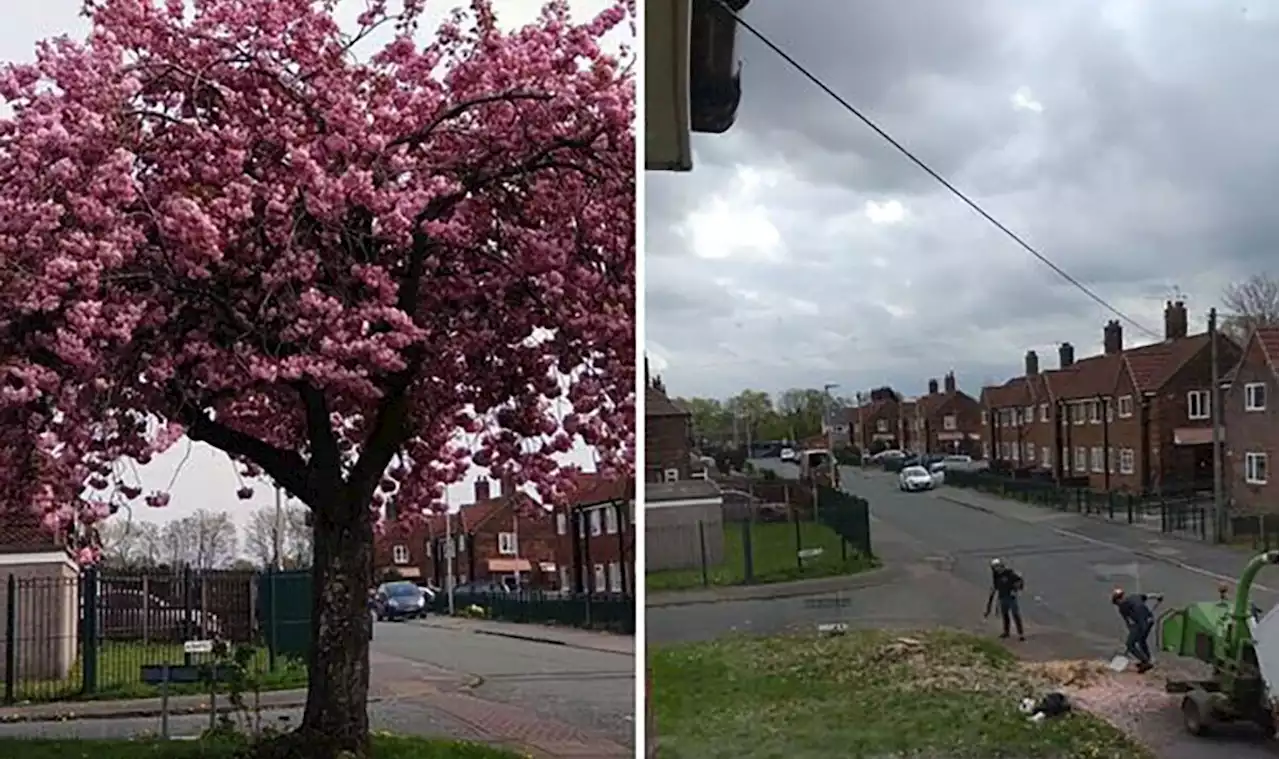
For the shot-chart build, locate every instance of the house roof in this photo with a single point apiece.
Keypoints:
(680, 490)
(1151, 366)
(657, 404)
(594, 488)
(1086, 378)
(1266, 339)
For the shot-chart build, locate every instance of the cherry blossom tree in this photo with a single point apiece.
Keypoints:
(357, 277)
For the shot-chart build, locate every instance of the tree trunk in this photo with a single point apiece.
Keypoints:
(336, 717)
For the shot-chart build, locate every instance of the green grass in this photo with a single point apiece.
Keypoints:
(119, 672)
(861, 695)
(384, 747)
(774, 547)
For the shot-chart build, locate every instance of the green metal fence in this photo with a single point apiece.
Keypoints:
(613, 612)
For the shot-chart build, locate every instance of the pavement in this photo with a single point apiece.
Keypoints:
(941, 543)
(553, 693)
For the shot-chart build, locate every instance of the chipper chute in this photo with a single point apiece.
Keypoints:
(1239, 642)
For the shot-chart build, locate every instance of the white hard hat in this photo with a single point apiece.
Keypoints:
(997, 563)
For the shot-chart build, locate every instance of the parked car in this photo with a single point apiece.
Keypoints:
(916, 478)
(481, 588)
(130, 614)
(400, 600)
(788, 454)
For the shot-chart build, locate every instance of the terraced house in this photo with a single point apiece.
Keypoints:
(878, 421)
(1249, 411)
(1134, 420)
(946, 421)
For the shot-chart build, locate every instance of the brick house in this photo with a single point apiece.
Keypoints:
(595, 538)
(1249, 412)
(877, 421)
(668, 435)
(1134, 419)
(944, 422)
(499, 539)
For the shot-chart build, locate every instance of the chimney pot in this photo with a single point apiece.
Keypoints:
(949, 382)
(1031, 363)
(1112, 338)
(1175, 320)
(482, 489)
(1066, 355)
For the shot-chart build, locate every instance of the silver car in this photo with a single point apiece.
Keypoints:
(915, 478)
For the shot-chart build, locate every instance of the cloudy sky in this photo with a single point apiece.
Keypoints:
(1132, 142)
(200, 477)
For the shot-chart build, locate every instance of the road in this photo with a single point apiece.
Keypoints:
(453, 683)
(939, 552)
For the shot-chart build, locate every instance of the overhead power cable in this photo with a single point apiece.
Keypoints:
(873, 126)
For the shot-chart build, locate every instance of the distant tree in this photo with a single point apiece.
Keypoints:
(130, 544)
(294, 537)
(1251, 303)
(203, 540)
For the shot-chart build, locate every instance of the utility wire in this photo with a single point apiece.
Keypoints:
(928, 170)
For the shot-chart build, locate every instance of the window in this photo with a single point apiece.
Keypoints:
(1255, 397)
(507, 543)
(462, 544)
(400, 554)
(1045, 461)
(986, 451)
(1095, 458)
(984, 417)
(615, 577)
(562, 524)
(1126, 461)
(1029, 414)
(1111, 410)
(1064, 457)
(1031, 453)
(1124, 406)
(1077, 413)
(670, 475)
(882, 425)
(1198, 404)
(949, 422)
(1081, 464)
(1003, 417)
(564, 580)
(1095, 413)
(599, 584)
(1255, 468)
(1014, 449)
(1111, 460)
(582, 523)
(595, 522)
(1044, 412)
(428, 548)
(610, 520)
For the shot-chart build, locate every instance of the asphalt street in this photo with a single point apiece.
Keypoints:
(590, 691)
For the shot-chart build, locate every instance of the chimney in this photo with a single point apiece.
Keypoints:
(507, 485)
(1066, 355)
(933, 387)
(1175, 320)
(482, 489)
(1031, 363)
(1112, 338)
(949, 382)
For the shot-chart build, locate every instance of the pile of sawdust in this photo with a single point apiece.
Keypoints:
(1068, 674)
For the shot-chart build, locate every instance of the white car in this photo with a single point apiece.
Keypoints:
(915, 478)
(787, 454)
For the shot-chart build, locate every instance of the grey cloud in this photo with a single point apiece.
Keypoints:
(1150, 169)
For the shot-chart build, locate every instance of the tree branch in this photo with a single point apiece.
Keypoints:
(326, 460)
(285, 467)
(418, 136)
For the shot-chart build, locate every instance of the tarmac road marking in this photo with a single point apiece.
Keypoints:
(1158, 557)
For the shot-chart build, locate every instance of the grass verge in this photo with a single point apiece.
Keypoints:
(774, 549)
(864, 695)
(119, 675)
(384, 747)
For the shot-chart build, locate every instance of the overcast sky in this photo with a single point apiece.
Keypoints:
(1132, 142)
(203, 477)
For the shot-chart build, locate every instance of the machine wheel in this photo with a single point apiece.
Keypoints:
(1195, 714)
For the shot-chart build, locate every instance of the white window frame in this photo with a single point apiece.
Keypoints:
(1111, 460)
(1030, 456)
(462, 544)
(562, 523)
(428, 548)
(1253, 462)
(565, 582)
(507, 543)
(400, 554)
(670, 475)
(1198, 404)
(1044, 412)
(1095, 412)
(1045, 460)
(1029, 415)
(949, 422)
(596, 527)
(986, 451)
(1124, 406)
(610, 520)
(882, 425)
(1096, 463)
(1110, 407)
(615, 577)
(983, 417)
(1126, 461)
(1081, 462)
(1064, 457)
(601, 582)
(1077, 413)
(1015, 452)
(1251, 403)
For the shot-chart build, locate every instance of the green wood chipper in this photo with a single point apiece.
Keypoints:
(1239, 642)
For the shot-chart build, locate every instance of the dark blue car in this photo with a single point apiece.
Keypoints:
(400, 600)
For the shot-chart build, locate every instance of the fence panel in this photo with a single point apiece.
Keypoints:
(40, 655)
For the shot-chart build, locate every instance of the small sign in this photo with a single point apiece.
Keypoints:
(197, 647)
(809, 553)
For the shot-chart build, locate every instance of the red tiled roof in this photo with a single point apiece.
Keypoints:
(594, 488)
(1270, 339)
(656, 403)
(1153, 365)
(1087, 378)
